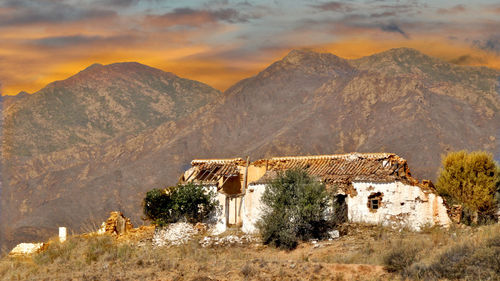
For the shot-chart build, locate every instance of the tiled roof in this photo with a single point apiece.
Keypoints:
(342, 168)
(346, 156)
(217, 161)
(337, 169)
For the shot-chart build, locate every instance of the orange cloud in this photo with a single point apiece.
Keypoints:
(450, 51)
(30, 68)
(224, 42)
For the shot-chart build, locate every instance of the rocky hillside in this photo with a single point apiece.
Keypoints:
(398, 101)
(99, 103)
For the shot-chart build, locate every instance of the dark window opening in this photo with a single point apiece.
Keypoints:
(340, 208)
(375, 201)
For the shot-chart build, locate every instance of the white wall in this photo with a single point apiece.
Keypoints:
(218, 219)
(252, 207)
(401, 204)
(420, 208)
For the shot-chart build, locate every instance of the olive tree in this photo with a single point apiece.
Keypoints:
(472, 180)
(295, 207)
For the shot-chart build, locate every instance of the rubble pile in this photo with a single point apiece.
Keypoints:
(138, 235)
(174, 234)
(27, 249)
(230, 240)
(117, 224)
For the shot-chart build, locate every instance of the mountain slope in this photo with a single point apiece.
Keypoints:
(306, 103)
(98, 104)
(393, 101)
(101, 104)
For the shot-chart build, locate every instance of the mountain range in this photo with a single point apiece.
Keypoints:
(97, 141)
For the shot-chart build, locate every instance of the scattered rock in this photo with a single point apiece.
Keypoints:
(26, 249)
(229, 240)
(334, 234)
(174, 234)
(201, 227)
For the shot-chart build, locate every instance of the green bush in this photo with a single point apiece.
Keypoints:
(472, 180)
(190, 202)
(295, 209)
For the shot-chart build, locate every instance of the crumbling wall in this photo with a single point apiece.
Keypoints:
(400, 205)
(218, 218)
(117, 224)
(456, 213)
(252, 208)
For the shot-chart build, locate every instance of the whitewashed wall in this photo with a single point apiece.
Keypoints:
(419, 208)
(252, 209)
(218, 219)
(401, 204)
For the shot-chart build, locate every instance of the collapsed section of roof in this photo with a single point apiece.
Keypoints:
(342, 169)
(338, 170)
(211, 171)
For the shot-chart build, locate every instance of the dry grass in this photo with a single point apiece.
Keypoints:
(359, 255)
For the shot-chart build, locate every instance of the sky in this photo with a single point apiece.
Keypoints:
(220, 42)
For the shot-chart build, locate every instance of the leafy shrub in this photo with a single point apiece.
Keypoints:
(190, 202)
(472, 180)
(295, 208)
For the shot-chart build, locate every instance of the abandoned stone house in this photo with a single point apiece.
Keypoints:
(373, 188)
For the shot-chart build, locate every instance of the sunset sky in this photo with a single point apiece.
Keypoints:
(221, 42)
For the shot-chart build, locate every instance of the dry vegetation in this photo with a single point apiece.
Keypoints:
(460, 252)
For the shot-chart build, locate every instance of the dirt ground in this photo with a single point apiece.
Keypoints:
(356, 255)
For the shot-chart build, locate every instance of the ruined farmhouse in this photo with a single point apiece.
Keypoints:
(373, 188)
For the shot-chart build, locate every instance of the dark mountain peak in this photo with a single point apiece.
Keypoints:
(97, 74)
(93, 66)
(401, 55)
(102, 102)
(118, 67)
(299, 69)
(130, 66)
(402, 51)
(307, 62)
(306, 56)
(404, 61)
(22, 94)
(8, 100)
(296, 55)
